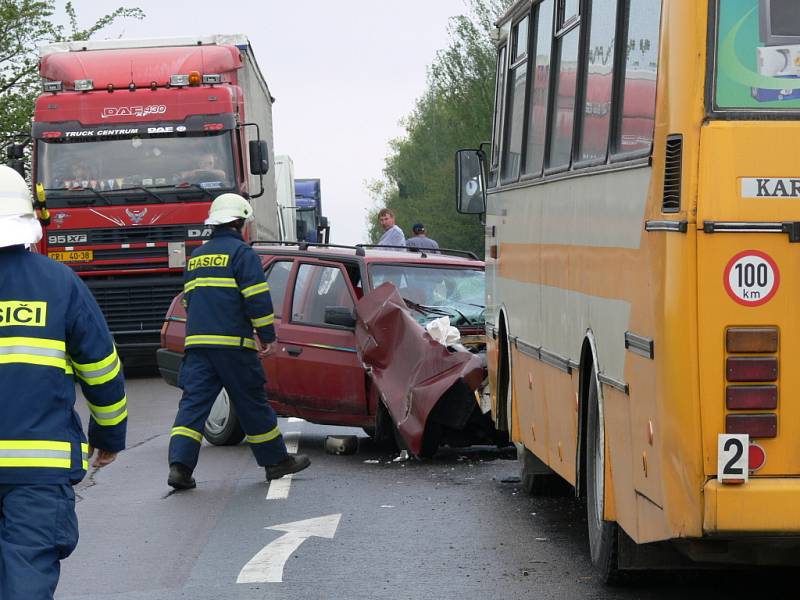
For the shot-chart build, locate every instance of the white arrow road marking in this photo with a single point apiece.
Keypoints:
(267, 565)
(279, 488)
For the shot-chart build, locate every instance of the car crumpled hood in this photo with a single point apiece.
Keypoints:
(411, 371)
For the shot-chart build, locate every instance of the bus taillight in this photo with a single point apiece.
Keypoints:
(750, 376)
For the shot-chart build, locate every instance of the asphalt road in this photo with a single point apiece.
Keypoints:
(371, 527)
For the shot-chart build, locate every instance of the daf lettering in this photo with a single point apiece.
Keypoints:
(199, 233)
(160, 129)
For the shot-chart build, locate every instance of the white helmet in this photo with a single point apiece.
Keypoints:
(229, 207)
(18, 222)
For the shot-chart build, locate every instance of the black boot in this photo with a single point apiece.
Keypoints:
(180, 477)
(291, 464)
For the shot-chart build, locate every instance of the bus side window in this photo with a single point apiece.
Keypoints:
(599, 81)
(498, 115)
(637, 120)
(540, 87)
(515, 104)
(563, 116)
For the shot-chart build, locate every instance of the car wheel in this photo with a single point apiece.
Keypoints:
(386, 434)
(603, 534)
(222, 426)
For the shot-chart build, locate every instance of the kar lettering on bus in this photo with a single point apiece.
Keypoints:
(770, 187)
(17, 312)
(208, 260)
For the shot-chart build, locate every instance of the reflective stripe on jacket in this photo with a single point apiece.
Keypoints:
(53, 334)
(226, 295)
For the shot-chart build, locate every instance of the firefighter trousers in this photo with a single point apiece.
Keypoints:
(203, 374)
(38, 528)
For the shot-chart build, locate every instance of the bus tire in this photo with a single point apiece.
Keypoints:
(222, 427)
(602, 534)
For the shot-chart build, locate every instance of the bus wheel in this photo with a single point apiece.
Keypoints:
(602, 534)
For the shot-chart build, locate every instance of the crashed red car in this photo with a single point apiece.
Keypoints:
(352, 348)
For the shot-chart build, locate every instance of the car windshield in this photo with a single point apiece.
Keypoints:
(142, 169)
(435, 291)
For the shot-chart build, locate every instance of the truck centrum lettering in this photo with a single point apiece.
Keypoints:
(208, 260)
(18, 312)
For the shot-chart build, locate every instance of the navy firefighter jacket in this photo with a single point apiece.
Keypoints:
(226, 295)
(52, 333)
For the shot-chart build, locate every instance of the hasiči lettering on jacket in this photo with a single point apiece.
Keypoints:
(18, 312)
(208, 260)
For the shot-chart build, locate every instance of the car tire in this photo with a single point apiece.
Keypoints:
(222, 427)
(386, 434)
(603, 535)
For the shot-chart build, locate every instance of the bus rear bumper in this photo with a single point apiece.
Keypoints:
(759, 507)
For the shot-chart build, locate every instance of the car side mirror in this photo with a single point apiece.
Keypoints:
(259, 157)
(340, 315)
(470, 182)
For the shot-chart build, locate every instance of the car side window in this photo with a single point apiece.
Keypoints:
(278, 278)
(318, 287)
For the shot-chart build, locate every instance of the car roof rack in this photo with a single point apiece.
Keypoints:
(425, 251)
(360, 248)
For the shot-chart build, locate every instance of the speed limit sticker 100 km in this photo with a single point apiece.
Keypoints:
(751, 278)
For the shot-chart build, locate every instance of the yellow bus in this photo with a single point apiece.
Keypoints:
(642, 205)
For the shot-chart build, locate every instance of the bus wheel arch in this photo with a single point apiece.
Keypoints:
(504, 379)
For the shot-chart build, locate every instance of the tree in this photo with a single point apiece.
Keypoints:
(454, 112)
(25, 24)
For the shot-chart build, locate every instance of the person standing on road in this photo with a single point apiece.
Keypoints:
(421, 239)
(51, 332)
(227, 296)
(392, 234)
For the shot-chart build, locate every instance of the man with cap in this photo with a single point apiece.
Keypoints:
(421, 239)
(51, 333)
(227, 297)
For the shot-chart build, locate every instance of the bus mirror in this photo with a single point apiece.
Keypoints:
(259, 157)
(470, 182)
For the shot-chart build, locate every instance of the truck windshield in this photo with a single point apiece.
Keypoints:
(757, 64)
(433, 292)
(117, 171)
(307, 225)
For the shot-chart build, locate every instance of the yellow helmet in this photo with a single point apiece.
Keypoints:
(229, 207)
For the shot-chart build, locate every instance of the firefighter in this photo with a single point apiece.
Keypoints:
(227, 297)
(51, 333)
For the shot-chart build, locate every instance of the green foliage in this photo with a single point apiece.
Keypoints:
(24, 25)
(455, 112)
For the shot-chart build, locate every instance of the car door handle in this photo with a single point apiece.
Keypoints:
(294, 351)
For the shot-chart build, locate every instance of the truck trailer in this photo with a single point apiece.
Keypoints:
(132, 141)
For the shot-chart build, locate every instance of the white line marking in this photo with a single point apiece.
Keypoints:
(279, 488)
(267, 565)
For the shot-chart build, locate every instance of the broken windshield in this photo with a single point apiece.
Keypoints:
(143, 167)
(435, 291)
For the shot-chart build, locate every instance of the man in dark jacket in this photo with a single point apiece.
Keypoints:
(51, 333)
(227, 297)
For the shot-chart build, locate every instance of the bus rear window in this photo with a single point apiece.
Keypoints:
(757, 65)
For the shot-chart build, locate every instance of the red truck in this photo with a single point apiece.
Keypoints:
(132, 140)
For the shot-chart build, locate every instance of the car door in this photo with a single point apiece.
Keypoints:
(319, 372)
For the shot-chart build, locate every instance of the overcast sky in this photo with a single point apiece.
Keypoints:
(344, 73)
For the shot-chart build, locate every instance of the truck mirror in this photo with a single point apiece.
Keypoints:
(470, 182)
(339, 315)
(259, 157)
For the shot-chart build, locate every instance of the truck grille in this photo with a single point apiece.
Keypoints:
(120, 235)
(135, 305)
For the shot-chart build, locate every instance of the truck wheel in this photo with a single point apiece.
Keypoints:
(602, 534)
(222, 426)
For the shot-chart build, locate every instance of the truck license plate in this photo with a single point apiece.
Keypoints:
(73, 256)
